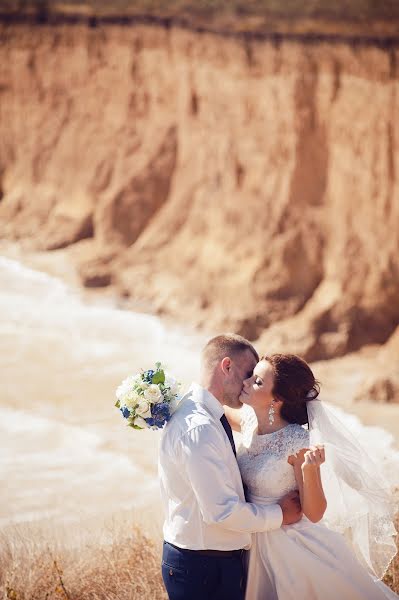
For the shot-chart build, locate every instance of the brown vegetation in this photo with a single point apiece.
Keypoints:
(123, 568)
(392, 575)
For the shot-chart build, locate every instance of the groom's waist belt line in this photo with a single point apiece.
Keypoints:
(216, 553)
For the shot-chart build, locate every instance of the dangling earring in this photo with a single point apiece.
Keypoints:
(271, 413)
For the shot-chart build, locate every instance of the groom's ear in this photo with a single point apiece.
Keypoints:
(225, 365)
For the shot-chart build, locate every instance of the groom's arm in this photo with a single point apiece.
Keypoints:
(215, 491)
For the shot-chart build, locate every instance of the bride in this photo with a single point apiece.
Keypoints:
(343, 543)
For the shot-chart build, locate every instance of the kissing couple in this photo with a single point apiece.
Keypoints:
(296, 512)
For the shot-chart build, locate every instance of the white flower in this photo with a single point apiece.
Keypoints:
(121, 391)
(153, 394)
(139, 421)
(131, 399)
(127, 386)
(137, 396)
(143, 409)
(173, 384)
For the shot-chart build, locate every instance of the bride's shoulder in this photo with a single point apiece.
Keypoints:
(299, 435)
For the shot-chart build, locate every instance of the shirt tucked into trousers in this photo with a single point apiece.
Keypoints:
(208, 524)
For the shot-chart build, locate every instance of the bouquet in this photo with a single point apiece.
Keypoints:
(148, 399)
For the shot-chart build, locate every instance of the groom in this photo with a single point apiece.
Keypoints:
(208, 524)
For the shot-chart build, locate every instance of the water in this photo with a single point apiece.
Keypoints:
(65, 451)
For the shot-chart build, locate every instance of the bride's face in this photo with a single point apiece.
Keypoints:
(257, 389)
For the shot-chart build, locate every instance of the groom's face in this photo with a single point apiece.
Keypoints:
(242, 366)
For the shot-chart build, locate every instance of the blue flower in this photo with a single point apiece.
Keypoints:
(148, 375)
(125, 411)
(160, 415)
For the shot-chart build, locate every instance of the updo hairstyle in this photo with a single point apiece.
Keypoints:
(294, 384)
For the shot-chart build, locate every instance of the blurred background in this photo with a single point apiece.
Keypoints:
(169, 171)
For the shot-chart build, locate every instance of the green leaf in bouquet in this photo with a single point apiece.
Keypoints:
(117, 404)
(135, 426)
(158, 377)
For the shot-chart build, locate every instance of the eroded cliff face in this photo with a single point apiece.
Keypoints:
(233, 183)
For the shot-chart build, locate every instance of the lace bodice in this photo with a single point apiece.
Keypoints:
(263, 458)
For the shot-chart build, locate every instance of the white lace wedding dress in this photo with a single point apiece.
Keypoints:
(305, 561)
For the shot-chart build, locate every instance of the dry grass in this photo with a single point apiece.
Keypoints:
(392, 576)
(112, 563)
(111, 566)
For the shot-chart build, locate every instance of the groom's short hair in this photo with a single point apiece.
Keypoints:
(226, 344)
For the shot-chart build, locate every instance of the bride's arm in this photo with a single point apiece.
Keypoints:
(234, 417)
(306, 465)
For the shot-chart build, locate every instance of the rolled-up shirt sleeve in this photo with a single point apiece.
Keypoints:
(202, 457)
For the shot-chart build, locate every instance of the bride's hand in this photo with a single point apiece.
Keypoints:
(314, 457)
(311, 457)
(298, 458)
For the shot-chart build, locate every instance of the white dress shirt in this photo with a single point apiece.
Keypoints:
(201, 485)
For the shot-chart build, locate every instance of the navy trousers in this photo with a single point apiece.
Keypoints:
(191, 576)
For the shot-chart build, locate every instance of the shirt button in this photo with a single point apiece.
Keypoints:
(170, 571)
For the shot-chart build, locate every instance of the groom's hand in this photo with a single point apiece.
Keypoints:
(291, 507)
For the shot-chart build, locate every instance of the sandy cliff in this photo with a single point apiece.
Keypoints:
(236, 183)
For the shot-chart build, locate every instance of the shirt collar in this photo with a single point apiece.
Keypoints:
(208, 400)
